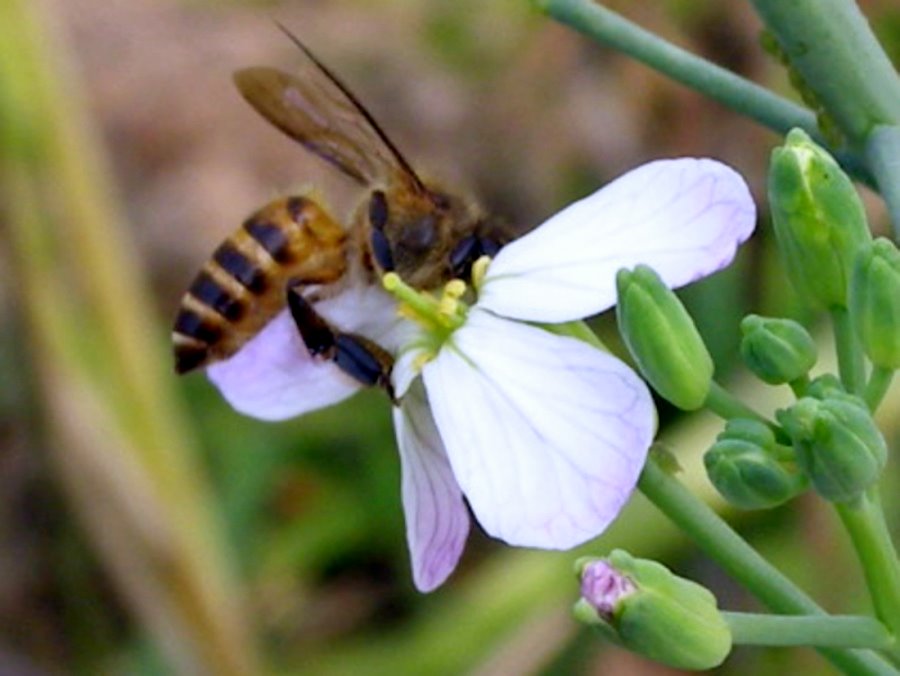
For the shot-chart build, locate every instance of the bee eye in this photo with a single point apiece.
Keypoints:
(419, 235)
(378, 210)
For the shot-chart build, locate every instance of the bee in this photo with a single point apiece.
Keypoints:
(292, 252)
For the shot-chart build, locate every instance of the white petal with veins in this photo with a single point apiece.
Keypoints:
(684, 218)
(546, 435)
(437, 522)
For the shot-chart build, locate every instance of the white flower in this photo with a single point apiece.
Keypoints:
(543, 435)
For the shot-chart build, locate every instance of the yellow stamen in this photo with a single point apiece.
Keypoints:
(479, 270)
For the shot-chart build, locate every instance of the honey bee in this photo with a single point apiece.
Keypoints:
(292, 252)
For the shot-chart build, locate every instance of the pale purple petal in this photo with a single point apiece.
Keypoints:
(273, 377)
(546, 435)
(685, 218)
(437, 522)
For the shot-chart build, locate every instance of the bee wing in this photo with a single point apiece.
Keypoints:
(319, 111)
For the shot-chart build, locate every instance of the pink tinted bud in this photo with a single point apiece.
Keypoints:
(602, 586)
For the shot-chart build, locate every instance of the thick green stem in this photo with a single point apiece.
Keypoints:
(829, 43)
(879, 382)
(744, 563)
(715, 82)
(864, 521)
(832, 631)
(850, 357)
(882, 154)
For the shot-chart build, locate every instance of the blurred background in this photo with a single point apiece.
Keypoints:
(145, 527)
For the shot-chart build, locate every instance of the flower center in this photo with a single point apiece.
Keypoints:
(439, 316)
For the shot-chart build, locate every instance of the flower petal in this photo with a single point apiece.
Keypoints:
(546, 435)
(437, 522)
(684, 218)
(273, 376)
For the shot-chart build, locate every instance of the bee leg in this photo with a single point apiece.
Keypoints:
(365, 360)
(468, 250)
(357, 356)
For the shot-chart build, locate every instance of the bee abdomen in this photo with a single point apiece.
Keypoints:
(215, 305)
(214, 295)
(197, 329)
(289, 241)
(271, 237)
(249, 273)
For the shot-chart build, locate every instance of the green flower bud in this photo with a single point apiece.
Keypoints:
(654, 613)
(875, 302)
(750, 469)
(747, 429)
(662, 338)
(818, 218)
(826, 386)
(776, 350)
(837, 444)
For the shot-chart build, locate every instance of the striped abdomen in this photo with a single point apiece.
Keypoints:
(243, 286)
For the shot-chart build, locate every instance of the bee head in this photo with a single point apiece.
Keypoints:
(415, 234)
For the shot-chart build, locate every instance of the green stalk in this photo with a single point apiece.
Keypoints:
(714, 82)
(882, 154)
(879, 382)
(743, 563)
(725, 405)
(865, 522)
(831, 631)
(851, 365)
(830, 44)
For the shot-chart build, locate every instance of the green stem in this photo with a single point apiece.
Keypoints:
(864, 521)
(832, 631)
(882, 154)
(877, 387)
(715, 82)
(799, 385)
(725, 405)
(830, 44)
(849, 355)
(742, 562)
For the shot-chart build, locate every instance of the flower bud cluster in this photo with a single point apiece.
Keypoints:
(828, 438)
(750, 469)
(836, 442)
